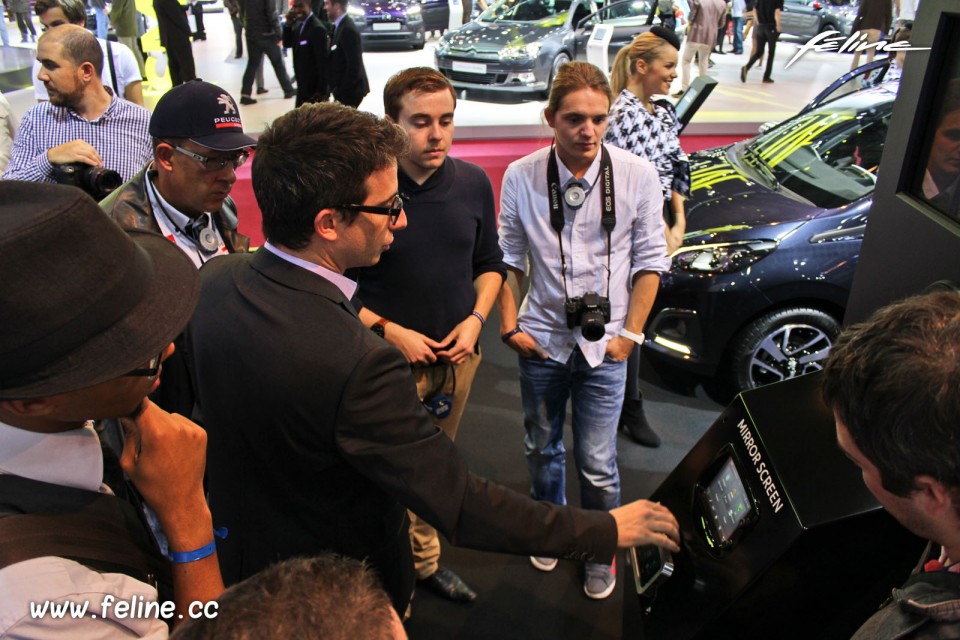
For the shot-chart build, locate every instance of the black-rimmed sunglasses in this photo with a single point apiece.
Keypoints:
(152, 369)
(394, 210)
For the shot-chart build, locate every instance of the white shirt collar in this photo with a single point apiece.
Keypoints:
(593, 172)
(342, 282)
(68, 458)
(929, 187)
(173, 222)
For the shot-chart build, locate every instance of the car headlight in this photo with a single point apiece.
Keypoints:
(356, 13)
(520, 50)
(442, 45)
(413, 10)
(722, 258)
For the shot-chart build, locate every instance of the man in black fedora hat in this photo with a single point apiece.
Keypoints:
(183, 194)
(87, 315)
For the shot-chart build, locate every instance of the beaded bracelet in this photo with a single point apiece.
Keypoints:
(509, 334)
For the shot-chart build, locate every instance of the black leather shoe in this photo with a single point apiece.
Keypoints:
(449, 585)
(634, 421)
(247, 100)
(289, 94)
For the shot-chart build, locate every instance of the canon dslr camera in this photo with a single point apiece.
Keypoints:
(590, 312)
(99, 182)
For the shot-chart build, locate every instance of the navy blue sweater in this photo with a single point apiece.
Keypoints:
(425, 281)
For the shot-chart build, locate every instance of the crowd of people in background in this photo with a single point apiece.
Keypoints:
(357, 321)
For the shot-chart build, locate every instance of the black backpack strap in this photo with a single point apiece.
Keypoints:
(93, 542)
(97, 530)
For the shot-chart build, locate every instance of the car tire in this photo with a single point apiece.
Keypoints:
(827, 26)
(779, 345)
(559, 61)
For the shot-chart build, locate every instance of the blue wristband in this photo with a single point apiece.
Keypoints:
(479, 317)
(207, 550)
(181, 557)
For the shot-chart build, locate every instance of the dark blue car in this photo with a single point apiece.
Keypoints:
(389, 22)
(774, 226)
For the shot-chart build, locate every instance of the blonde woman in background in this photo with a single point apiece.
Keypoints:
(649, 128)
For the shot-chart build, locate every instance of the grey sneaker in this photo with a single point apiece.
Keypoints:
(544, 564)
(599, 579)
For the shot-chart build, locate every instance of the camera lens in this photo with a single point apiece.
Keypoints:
(592, 325)
(101, 182)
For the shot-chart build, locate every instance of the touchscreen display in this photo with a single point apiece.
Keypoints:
(727, 501)
(651, 565)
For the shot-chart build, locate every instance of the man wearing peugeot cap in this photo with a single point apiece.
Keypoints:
(183, 194)
(87, 315)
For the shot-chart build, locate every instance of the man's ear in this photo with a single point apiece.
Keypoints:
(932, 495)
(549, 115)
(328, 223)
(163, 157)
(86, 71)
(32, 408)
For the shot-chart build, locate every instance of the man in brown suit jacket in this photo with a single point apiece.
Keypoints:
(706, 18)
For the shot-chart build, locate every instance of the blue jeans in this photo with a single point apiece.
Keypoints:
(737, 34)
(597, 395)
(4, 35)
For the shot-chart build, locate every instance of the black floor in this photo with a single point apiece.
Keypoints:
(515, 600)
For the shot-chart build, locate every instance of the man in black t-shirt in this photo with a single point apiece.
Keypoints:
(766, 32)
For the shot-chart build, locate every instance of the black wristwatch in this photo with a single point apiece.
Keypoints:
(379, 327)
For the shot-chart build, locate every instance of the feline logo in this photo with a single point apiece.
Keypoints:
(833, 41)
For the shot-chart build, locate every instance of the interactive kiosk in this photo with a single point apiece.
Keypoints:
(781, 538)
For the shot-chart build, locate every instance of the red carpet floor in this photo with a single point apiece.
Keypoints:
(492, 155)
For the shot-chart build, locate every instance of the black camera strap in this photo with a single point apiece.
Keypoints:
(113, 70)
(199, 230)
(608, 216)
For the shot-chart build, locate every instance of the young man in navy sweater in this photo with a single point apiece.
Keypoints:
(431, 293)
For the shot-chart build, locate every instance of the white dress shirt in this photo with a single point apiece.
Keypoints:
(530, 245)
(72, 459)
